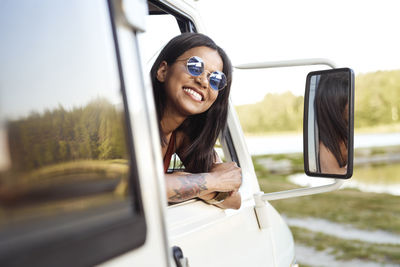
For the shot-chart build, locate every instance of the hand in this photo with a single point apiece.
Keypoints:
(208, 196)
(232, 202)
(225, 177)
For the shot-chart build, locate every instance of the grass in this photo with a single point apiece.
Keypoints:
(369, 211)
(296, 161)
(381, 174)
(363, 210)
(348, 249)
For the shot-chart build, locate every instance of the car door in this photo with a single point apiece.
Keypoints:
(76, 187)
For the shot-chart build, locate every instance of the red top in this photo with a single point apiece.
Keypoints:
(170, 152)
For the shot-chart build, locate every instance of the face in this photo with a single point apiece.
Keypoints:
(186, 94)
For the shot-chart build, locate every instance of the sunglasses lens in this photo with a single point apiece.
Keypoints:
(195, 66)
(217, 80)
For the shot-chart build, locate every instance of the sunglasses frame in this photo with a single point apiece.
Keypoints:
(200, 60)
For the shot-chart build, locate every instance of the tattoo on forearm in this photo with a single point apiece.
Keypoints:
(191, 186)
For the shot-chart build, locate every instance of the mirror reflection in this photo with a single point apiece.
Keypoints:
(328, 129)
(63, 144)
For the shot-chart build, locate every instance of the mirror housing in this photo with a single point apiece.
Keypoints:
(329, 123)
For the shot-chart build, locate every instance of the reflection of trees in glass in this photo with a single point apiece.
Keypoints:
(276, 112)
(91, 132)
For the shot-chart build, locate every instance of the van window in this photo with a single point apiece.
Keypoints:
(160, 28)
(65, 163)
(162, 25)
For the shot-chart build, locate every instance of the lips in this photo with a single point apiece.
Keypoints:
(195, 94)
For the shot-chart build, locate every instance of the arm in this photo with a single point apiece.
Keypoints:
(224, 177)
(233, 201)
(182, 186)
(213, 194)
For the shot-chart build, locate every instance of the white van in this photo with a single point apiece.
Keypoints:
(81, 176)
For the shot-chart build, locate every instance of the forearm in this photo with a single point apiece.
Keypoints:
(182, 186)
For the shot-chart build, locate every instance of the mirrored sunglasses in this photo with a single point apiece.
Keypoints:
(216, 79)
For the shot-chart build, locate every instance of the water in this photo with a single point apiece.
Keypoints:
(293, 143)
(376, 179)
(369, 178)
(344, 231)
(362, 183)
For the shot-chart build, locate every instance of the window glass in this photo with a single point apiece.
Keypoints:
(62, 137)
(218, 148)
(160, 29)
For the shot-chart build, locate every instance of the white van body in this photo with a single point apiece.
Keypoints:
(255, 235)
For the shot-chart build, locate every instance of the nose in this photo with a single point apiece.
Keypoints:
(202, 79)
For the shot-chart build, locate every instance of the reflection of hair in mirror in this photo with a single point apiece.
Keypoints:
(202, 129)
(331, 103)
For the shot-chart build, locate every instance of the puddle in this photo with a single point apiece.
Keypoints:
(392, 188)
(310, 256)
(293, 143)
(344, 231)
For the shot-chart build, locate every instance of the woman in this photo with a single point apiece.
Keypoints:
(333, 122)
(191, 82)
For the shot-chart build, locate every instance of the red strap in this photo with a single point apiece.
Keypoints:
(170, 152)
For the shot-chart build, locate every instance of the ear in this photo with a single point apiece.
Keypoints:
(162, 71)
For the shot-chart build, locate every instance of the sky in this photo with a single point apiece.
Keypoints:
(62, 51)
(362, 35)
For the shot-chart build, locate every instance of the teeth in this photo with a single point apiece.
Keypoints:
(196, 95)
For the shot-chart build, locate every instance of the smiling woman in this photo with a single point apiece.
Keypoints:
(191, 84)
(180, 84)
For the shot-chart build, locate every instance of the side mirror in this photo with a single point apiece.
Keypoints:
(329, 123)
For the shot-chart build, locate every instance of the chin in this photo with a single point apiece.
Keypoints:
(191, 110)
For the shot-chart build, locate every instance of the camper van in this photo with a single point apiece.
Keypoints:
(81, 175)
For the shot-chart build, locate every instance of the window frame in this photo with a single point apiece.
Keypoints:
(184, 22)
(187, 25)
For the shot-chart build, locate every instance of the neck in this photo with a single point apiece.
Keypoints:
(170, 122)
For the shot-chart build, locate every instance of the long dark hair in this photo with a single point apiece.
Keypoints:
(201, 129)
(331, 100)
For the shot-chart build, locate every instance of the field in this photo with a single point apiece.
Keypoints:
(370, 213)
